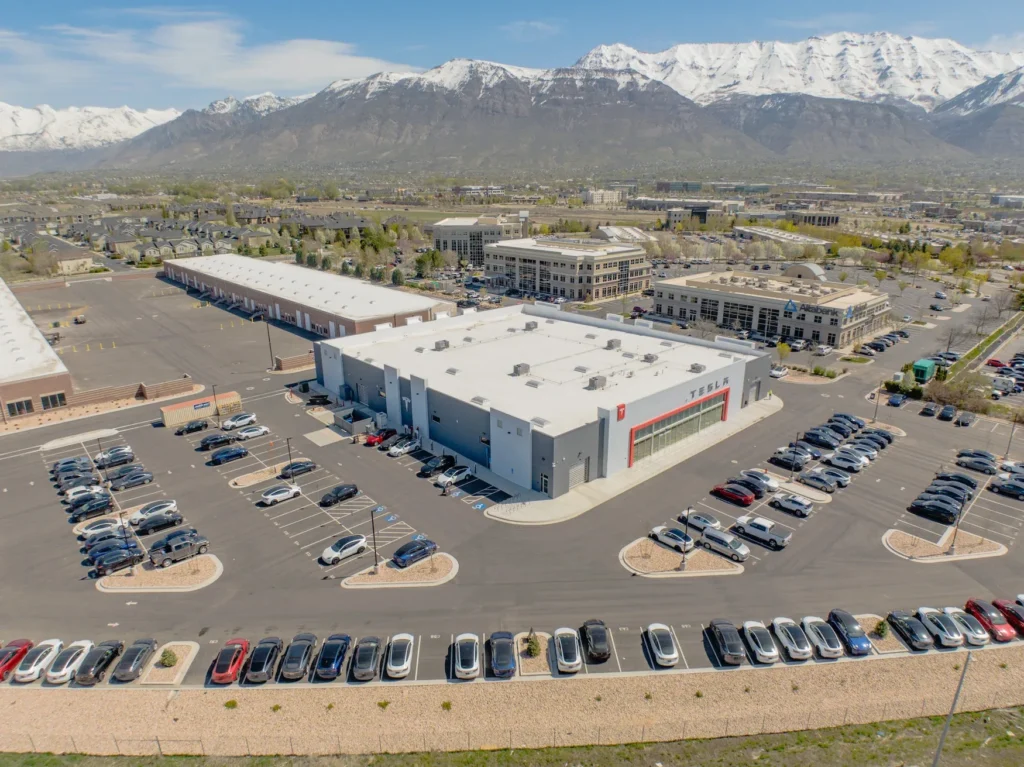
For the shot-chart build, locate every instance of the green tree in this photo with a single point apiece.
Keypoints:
(229, 216)
(329, 190)
(359, 271)
(879, 275)
(6, 247)
(299, 256)
(346, 268)
(902, 285)
(263, 250)
(843, 276)
(325, 263)
(397, 277)
(783, 350)
(311, 260)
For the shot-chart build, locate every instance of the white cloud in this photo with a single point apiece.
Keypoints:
(205, 54)
(831, 22)
(529, 31)
(1012, 43)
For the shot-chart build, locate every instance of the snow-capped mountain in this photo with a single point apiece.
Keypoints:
(40, 128)
(1002, 89)
(259, 105)
(878, 67)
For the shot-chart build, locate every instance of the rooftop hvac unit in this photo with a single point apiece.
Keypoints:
(597, 382)
(533, 383)
(468, 339)
(590, 335)
(452, 371)
(581, 369)
(650, 358)
(613, 343)
(440, 346)
(666, 343)
(478, 400)
(520, 369)
(696, 367)
(530, 326)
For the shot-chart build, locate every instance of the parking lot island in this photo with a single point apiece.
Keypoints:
(968, 546)
(269, 472)
(433, 571)
(883, 645)
(190, 575)
(652, 560)
(158, 673)
(539, 664)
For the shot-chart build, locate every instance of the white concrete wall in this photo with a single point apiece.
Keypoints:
(393, 394)
(333, 369)
(511, 448)
(420, 411)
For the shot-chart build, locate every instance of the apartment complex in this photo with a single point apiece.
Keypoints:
(574, 269)
(468, 236)
(602, 197)
(799, 304)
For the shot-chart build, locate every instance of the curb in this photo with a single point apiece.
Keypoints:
(219, 571)
(183, 664)
(738, 568)
(413, 584)
(936, 559)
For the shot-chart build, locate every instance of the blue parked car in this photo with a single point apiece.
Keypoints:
(850, 632)
(896, 400)
(227, 454)
(332, 656)
(413, 552)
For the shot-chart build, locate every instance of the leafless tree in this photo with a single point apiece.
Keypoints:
(704, 328)
(983, 317)
(956, 335)
(1005, 302)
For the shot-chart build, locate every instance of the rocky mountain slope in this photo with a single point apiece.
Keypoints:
(27, 129)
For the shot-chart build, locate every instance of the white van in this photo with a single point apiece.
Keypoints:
(1003, 384)
(726, 544)
(823, 350)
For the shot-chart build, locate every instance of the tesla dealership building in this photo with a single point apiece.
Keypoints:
(543, 399)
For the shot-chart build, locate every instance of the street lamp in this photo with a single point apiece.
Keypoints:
(266, 322)
(373, 529)
(216, 407)
(288, 444)
(878, 397)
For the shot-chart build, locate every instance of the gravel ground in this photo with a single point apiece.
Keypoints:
(157, 673)
(427, 571)
(191, 572)
(256, 477)
(890, 643)
(537, 712)
(966, 543)
(647, 556)
(703, 561)
(541, 664)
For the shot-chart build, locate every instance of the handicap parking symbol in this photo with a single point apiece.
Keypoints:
(380, 510)
(419, 537)
(456, 494)
(391, 518)
(479, 506)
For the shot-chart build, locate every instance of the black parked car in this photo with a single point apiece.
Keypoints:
(95, 665)
(938, 512)
(118, 458)
(820, 440)
(750, 484)
(228, 454)
(503, 654)
(123, 471)
(948, 413)
(436, 465)
(296, 468)
(596, 644)
(263, 661)
(929, 410)
(339, 494)
(850, 633)
(135, 479)
(878, 433)
(789, 461)
(134, 660)
(114, 544)
(116, 560)
(94, 508)
(332, 656)
(211, 441)
(843, 429)
(83, 499)
(295, 664)
(727, 641)
(192, 427)
(158, 522)
(911, 630)
(366, 658)
(965, 419)
(83, 481)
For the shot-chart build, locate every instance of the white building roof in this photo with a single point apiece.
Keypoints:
(626, 234)
(569, 247)
(564, 352)
(24, 351)
(780, 235)
(323, 291)
(456, 222)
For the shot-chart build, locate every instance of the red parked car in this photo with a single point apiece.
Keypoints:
(229, 661)
(1013, 612)
(11, 655)
(994, 363)
(379, 436)
(992, 619)
(735, 493)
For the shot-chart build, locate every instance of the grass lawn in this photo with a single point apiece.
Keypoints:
(992, 738)
(855, 360)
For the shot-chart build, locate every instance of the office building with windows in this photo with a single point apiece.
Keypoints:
(538, 399)
(799, 304)
(574, 269)
(468, 236)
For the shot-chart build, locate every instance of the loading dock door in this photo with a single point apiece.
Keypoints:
(277, 310)
(579, 473)
(307, 322)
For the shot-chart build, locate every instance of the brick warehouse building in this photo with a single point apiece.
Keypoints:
(319, 302)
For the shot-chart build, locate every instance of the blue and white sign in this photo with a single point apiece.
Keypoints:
(479, 506)
(380, 510)
(391, 518)
(419, 537)
(849, 312)
(790, 306)
(200, 405)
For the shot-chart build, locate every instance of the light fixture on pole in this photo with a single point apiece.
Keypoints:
(216, 407)
(288, 444)
(878, 396)
(266, 321)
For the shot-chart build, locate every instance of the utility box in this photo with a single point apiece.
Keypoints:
(924, 371)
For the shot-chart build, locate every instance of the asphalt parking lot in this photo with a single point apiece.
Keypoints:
(511, 577)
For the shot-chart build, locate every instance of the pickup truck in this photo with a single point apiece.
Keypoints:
(762, 530)
(179, 549)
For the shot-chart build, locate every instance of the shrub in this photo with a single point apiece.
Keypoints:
(597, 698)
(796, 687)
(383, 704)
(231, 703)
(330, 706)
(168, 659)
(882, 629)
(648, 696)
(275, 708)
(698, 694)
(446, 705)
(532, 645)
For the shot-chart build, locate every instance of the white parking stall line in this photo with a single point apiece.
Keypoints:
(615, 652)
(902, 521)
(290, 511)
(310, 529)
(343, 531)
(416, 668)
(678, 645)
(297, 521)
(988, 530)
(450, 663)
(131, 500)
(717, 512)
(986, 501)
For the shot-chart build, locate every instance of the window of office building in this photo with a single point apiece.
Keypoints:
(675, 427)
(21, 407)
(817, 319)
(738, 315)
(831, 338)
(833, 321)
(51, 401)
(709, 309)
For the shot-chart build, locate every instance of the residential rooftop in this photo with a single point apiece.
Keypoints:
(23, 348)
(563, 352)
(757, 284)
(323, 291)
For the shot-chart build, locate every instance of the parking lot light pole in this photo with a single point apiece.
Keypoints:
(952, 709)
(373, 529)
(216, 407)
(288, 444)
(952, 546)
(266, 322)
(106, 471)
(1013, 425)
(878, 396)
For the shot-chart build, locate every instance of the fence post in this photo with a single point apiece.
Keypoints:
(31, 741)
(846, 713)
(74, 745)
(764, 722)
(116, 744)
(159, 746)
(643, 733)
(248, 748)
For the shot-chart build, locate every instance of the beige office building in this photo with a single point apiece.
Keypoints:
(602, 197)
(468, 236)
(573, 269)
(799, 304)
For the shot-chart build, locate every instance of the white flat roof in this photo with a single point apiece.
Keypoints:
(323, 291)
(570, 247)
(456, 222)
(563, 353)
(24, 351)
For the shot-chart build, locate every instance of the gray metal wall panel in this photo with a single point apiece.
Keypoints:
(570, 448)
(318, 361)
(404, 390)
(358, 372)
(461, 426)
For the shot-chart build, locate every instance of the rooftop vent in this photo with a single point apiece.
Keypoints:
(650, 358)
(581, 369)
(468, 339)
(520, 369)
(478, 400)
(666, 343)
(420, 349)
(613, 343)
(533, 383)
(696, 367)
(628, 355)
(440, 346)
(538, 421)
(597, 382)
(452, 371)
(590, 335)
(530, 326)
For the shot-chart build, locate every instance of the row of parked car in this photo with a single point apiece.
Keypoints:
(87, 492)
(881, 343)
(81, 662)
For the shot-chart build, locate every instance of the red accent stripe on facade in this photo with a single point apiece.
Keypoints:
(687, 406)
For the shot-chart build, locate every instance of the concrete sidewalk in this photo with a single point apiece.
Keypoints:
(541, 510)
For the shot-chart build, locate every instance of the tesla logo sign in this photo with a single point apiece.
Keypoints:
(621, 411)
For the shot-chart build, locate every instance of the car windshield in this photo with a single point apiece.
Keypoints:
(329, 654)
(399, 652)
(735, 544)
(567, 646)
(502, 652)
(343, 542)
(598, 638)
(761, 636)
(225, 659)
(65, 659)
(467, 654)
(662, 639)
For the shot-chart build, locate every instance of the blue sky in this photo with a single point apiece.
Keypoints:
(108, 53)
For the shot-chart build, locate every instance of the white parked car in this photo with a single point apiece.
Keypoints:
(856, 453)
(862, 446)
(103, 526)
(823, 637)
(793, 639)
(467, 656)
(150, 509)
(400, 652)
(842, 461)
(348, 546)
(77, 492)
(105, 455)
(238, 420)
(68, 661)
(672, 537)
(662, 645)
(759, 639)
(823, 350)
(779, 372)
(969, 626)
(794, 504)
(404, 446)
(453, 476)
(37, 660)
(277, 493)
(763, 477)
(568, 653)
(251, 432)
(942, 627)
